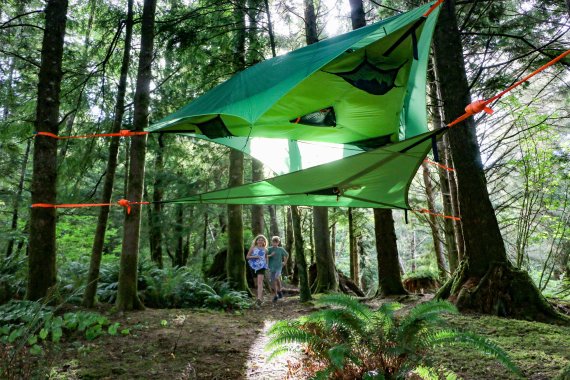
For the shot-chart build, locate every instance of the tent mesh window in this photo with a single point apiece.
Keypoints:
(321, 118)
(374, 80)
(214, 128)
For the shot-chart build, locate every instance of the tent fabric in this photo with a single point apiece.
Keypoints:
(377, 179)
(266, 99)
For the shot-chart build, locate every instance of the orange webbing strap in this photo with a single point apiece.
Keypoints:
(121, 133)
(481, 105)
(440, 165)
(426, 211)
(432, 8)
(122, 202)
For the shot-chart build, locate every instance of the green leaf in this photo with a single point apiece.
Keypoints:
(36, 349)
(164, 323)
(33, 339)
(93, 332)
(112, 330)
(56, 334)
(15, 334)
(44, 333)
(125, 331)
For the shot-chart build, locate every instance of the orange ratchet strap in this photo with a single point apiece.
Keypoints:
(122, 202)
(426, 211)
(438, 164)
(121, 133)
(481, 105)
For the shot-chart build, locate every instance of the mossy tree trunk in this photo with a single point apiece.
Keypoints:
(42, 254)
(486, 281)
(257, 222)
(155, 211)
(127, 295)
(389, 279)
(327, 279)
(99, 239)
(301, 269)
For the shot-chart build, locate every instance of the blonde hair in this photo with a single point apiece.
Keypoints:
(254, 242)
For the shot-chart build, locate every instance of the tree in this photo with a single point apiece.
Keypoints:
(300, 260)
(485, 281)
(389, 279)
(42, 255)
(235, 263)
(127, 297)
(327, 280)
(387, 250)
(99, 239)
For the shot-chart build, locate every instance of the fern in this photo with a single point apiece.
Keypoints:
(351, 340)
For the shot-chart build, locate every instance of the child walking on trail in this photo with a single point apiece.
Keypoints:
(277, 260)
(257, 259)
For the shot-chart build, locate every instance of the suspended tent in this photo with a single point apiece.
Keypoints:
(360, 95)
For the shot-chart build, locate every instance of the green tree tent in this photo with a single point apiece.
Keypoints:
(360, 95)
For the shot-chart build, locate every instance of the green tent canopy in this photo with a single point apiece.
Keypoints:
(378, 179)
(344, 118)
(362, 90)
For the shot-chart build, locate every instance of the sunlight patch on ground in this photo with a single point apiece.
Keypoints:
(257, 366)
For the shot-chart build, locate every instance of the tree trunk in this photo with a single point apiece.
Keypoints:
(357, 15)
(257, 222)
(453, 191)
(438, 249)
(99, 239)
(443, 149)
(300, 261)
(42, 254)
(179, 235)
(486, 281)
(289, 244)
(155, 222)
(127, 297)
(17, 198)
(273, 226)
(235, 263)
(389, 279)
(327, 280)
(353, 254)
(270, 28)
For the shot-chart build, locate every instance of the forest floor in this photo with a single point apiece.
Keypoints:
(189, 344)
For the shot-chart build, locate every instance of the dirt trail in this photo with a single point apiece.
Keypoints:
(182, 344)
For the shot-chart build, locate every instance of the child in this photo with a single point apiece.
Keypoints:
(277, 260)
(256, 256)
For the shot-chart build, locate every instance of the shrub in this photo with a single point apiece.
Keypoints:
(352, 341)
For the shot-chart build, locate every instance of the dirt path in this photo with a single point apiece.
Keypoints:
(182, 344)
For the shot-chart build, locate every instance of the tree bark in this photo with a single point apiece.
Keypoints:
(353, 254)
(127, 297)
(327, 279)
(357, 15)
(235, 263)
(289, 244)
(179, 235)
(99, 239)
(300, 260)
(273, 225)
(486, 281)
(42, 254)
(155, 222)
(257, 222)
(389, 279)
(438, 249)
(17, 198)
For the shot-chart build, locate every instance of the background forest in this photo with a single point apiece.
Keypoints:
(180, 258)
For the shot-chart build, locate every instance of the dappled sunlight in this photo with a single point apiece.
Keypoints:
(257, 366)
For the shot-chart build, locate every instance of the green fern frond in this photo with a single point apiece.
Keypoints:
(427, 313)
(479, 343)
(291, 335)
(282, 325)
(426, 373)
(347, 323)
(347, 303)
(280, 351)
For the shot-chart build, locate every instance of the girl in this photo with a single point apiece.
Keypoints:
(257, 259)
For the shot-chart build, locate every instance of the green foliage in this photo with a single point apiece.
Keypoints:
(352, 341)
(12, 277)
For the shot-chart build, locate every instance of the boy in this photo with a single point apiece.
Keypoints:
(277, 260)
